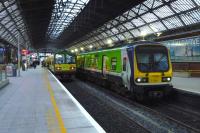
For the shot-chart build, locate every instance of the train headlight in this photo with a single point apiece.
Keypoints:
(141, 80)
(58, 68)
(72, 68)
(166, 79)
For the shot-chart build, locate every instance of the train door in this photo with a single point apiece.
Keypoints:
(104, 65)
(125, 71)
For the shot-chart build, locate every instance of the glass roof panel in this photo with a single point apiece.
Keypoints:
(121, 18)
(172, 22)
(163, 12)
(138, 22)
(146, 29)
(135, 32)
(2, 30)
(197, 2)
(104, 34)
(182, 5)
(109, 32)
(191, 17)
(131, 14)
(12, 8)
(3, 14)
(114, 30)
(120, 36)
(121, 28)
(1, 7)
(149, 17)
(127, 35)
(128, 25)
(100, 36)
(157, 26)
(140, 9)
(5, 21)
(164, 15)
(63, 14)
(9, 24)
(114, 22)
(153, 3)
(11, 20)
(114, 38)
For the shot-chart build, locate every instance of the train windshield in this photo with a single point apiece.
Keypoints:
(152, 58)
(70, 59)
(64, 59)
(59, 59)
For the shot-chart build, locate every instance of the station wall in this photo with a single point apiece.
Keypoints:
(184, 49)
(185, 55)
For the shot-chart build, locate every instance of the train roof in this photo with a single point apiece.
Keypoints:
(64, 52)
(122, 46)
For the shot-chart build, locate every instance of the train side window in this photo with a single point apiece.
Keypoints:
(113, 63)
(124, 64)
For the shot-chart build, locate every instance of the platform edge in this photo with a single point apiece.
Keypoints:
(87, 115)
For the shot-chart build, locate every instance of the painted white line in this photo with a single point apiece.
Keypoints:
(87, 115)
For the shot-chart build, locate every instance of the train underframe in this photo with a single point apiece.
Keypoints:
(64, 75)
(141, 93)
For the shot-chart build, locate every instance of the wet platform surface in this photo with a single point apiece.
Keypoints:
(36, 102)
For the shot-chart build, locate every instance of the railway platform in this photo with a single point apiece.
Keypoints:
(36, 102)
(187, 84)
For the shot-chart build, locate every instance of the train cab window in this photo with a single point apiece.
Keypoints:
(59, 58)
(152, 58)
(70, 59)
(113, 63)
(124, 64)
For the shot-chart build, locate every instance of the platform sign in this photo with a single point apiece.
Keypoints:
(186, 48)
(24, 52)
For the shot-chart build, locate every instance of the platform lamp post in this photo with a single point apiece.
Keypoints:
(19, 55)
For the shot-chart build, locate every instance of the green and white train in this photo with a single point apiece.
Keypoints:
(142, 68)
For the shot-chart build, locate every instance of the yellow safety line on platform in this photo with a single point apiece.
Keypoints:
(56, 109)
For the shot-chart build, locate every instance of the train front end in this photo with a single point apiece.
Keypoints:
(152, 70)
(64, 65)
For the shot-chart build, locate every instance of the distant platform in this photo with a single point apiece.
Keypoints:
(36, 102)
(188, 84)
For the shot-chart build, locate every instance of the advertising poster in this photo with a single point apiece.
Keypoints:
(184, 49)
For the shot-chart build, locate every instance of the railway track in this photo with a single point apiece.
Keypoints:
(187, 118)
(150, 117)
(188, 123)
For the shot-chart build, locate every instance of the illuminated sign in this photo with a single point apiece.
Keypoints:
(24, 52)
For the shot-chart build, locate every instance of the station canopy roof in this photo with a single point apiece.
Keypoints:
(152, 17)
(64, 12)
(12, 25)
(58, 23)
(92, 24)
